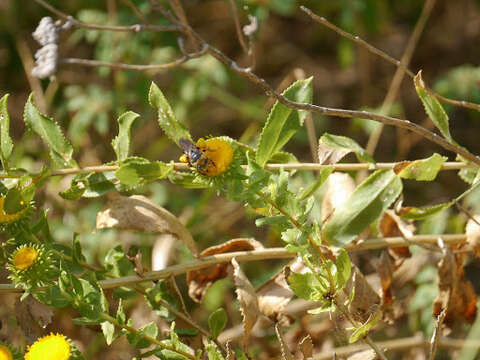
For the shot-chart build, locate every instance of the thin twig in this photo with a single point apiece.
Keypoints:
(400, 73)
(238, 27)
(132, 28)
(96, 63)
(261, 254)
(385, 56)
(135, 10)
(436, 335)
(182, 17)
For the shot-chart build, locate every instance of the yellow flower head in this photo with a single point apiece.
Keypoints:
(219, 152)
(25, 257)
(51, 347)
(5, 353)
(9, 218)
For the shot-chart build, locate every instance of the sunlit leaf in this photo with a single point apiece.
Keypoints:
(6, 144)
(217, 321)
(421, 170)
(369, 200)
(283, 121)
(60, 149)
(174, 129)
(121, 144)
(332, 148)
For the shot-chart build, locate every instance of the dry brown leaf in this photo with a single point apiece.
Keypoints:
(473, 234)
(456, 293)
(366, 301)
(305, 348)
(363, 355)
(140, 213)
(385, 271)
(329, 156)
(286, 354)
(32, 317)
(275, 294)
(199, 281)
(392, 225)
(230, 353)
(400, 166)
(247, 299)
(340, 186)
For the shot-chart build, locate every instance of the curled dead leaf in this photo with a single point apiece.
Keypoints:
(456, 294)
(32, 317)
(368, 354)
(275, 294)
(340, 187)
(385, 271)
(199, 281)
(473, 234)
(305, 348)
(140, 213)
(392, 225)
(247, 299)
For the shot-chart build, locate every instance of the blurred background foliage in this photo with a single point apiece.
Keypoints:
(210, 99)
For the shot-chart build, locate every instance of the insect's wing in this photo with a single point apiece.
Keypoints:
(186, 145)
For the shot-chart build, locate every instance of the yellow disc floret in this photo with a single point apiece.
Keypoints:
(25, 257)
(219, 152)
(52, 347)
(5, 353)
(9, 218)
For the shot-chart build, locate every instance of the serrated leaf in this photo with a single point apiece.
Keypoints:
(60, 149)
(332, 148)
(6, 144)
(121, 144)
(213, 353)
(307, 286)
(217, 321)
(369, 200)
(421, 170)
(108, 330)
(283, 122)
(173, 128)
(433, 107)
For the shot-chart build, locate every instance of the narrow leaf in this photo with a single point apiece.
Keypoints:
(433, 107)
(421, 170)
(108, 330)
(141, 170)
(121, 144)
(6, 144)
(344, 269)
(415, 213)
(60, 149)
(283, 122)
(323, 175)
(332, 148)
(369, 200)
(174, 129)
(363, 330)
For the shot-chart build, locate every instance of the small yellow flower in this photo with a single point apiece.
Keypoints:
(25, 257)
(9, 218)
(219, 152)
(5, 353)
(51, 347)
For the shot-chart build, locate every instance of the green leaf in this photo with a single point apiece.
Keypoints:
(60, 149)
(14, 201)
(307, 286)
(415, 213)
(363, 330)
(139, 170)
(326, 307)
(344, 269)
(217, 321)
(332, 148)
(138, 341)
(283, 122)
(369, 200)
(173, 128)
(433, 107)
(323, 175)
(213, 353)
(421, 170)
(121, 144)
(6, 144)
(108, 330)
